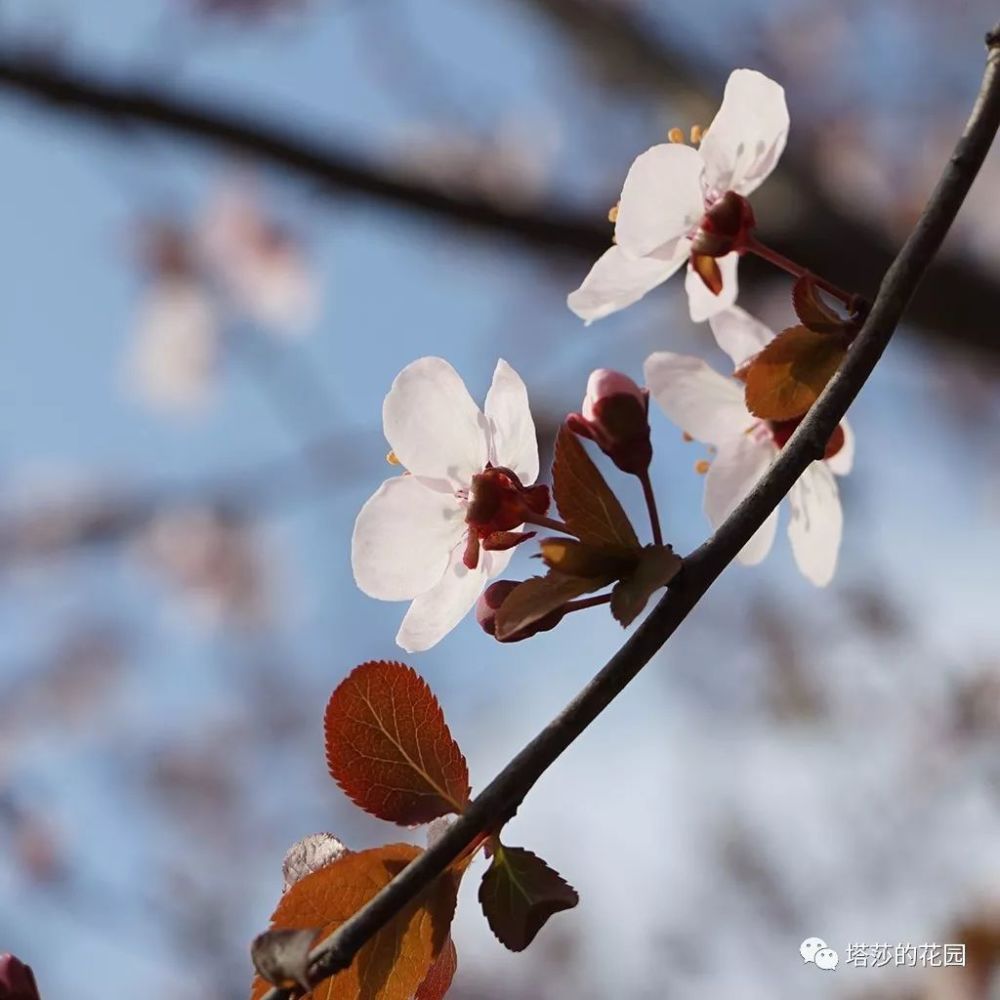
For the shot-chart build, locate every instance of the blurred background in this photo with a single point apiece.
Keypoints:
(226, 225)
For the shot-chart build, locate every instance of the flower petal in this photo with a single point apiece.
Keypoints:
(513, 442)
(432, 424)
(403, 539)
(698, 399)
(747, 137)
(842, 463)
(662, 198)
(739, 334)
(734, 471)
(817, 523)
(705, 304)
(617, 280)
(434, 614)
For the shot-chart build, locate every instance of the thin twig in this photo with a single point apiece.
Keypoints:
(502, 796)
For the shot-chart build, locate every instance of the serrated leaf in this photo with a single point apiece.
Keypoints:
(585, 501)
(282, 956)
(657, 566)
(389, 748)
(397, 960)
(519, 893)
(539, 596)
(438, 980)
(812, 310)
(783, 381)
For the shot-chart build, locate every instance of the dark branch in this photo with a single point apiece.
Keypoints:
(959, 301)
(503, 795)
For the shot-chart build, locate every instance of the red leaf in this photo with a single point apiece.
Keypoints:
(394, 963)
(438, 980)
(784, 380)
(812, 310)
(586, 502)
(539, 596)
(657, 566)
(519, 893)
(389, 749)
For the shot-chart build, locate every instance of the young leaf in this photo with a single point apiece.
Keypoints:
(519, 892)
(812, 310)
(574, 558)
(658, 565)
(438, 980)
(389, 748)
(539, 596)
(783, 381)
(394, 963)
(585, 500)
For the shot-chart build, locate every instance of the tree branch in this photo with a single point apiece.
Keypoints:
(958, 305)
(501, 797)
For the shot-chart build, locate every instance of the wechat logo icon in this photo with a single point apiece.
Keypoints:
(815, 950)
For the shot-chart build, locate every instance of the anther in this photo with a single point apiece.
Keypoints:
(391, 458)
(676, 134)
(696, 134)
(702, 466)
(613, 212)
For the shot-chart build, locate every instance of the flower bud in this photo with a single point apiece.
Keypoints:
(615, 417)
(724, 227)
(489, 604)
(17, 981)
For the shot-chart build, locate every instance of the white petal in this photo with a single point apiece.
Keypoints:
(617, 280)
(705, 304)
(434, 614)
(842, 463)
(176, 345)
(661, 199)
(512, 431)
(817, 523)
(698, 399)
(739, 334)
(432, 424)
(403, 539)
(747, 137)
(733, 473)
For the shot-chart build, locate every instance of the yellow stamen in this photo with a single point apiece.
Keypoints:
(702, 466)
(613, 212)
(696, 134)
(391, 459)
(676, 134)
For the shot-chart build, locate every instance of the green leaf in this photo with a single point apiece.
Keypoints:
(657, 566)
(783, 381)
(519, 893)
(539, 596)
(587, 504)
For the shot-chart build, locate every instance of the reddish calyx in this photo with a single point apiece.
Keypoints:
(725, 227)
(781, 431)
(498, 503)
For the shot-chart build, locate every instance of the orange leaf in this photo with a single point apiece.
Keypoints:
(399, 958)
(389, 748)
(519, 893)
(783, 381)
(656, 567)
(438, 980)
(585, 500)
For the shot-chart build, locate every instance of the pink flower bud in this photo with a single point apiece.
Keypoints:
(614, 416)
(17, 981)
(489, 603)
